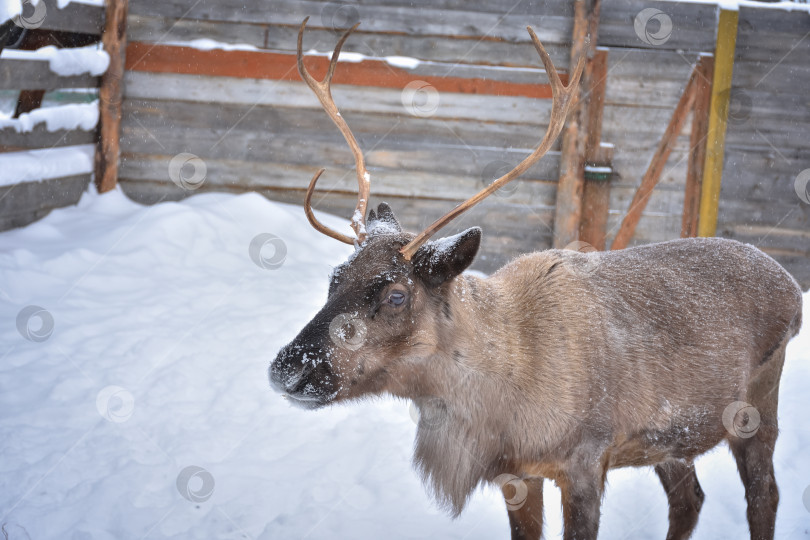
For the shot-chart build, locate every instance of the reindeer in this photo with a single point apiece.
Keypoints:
(561, 365)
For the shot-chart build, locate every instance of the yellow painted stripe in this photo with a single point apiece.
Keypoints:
(718, 120)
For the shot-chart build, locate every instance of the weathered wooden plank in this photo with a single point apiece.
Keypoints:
(40, 137)
(776, 239)
(776, 215)
(647, 78)
(457, 52)
(306, 137)
(18, 74)
(526, 7)
(662, 202)
(24, 203)
(691, 26)
(243, 176)
(762, 120)
(110, 95)
(508, 26)
(368, 72)
(75, 17)
(762, 176)
(167, 86)
(772, 76)
(238, 132)
(789, 20)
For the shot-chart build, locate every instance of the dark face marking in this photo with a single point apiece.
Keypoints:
(366, 315)
(380, 309)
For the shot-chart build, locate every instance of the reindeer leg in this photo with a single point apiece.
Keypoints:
(684, 495)
(525, 516)
(754, 455)
(582, 487)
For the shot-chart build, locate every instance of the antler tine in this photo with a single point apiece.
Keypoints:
(323, 91)
(561, 103)
(314, 221)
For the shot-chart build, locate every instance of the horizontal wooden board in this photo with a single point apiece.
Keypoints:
(167, 86)
(142, 56)
(647, 78)
(24, 203)
(244, 176)
(776, 214)
(761, 175)
(458, 52)
(300, 136)
(36, 75)
(785, 241)
(40, 137)
(525, 7)
(75, 17)
(431, 21)
(693, 26)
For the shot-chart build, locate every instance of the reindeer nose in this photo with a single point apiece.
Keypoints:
(286, 372)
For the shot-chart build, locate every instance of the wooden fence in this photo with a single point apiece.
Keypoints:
(436, 130)
(32, 80)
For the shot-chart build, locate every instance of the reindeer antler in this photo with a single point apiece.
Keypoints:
(561, 103)
(323, 91)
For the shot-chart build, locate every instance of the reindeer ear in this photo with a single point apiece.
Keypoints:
(441, 260)
(383, 222)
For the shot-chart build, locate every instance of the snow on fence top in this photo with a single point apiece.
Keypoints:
(66, 62)
(47, 152)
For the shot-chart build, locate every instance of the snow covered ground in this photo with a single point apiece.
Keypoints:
(134, 400)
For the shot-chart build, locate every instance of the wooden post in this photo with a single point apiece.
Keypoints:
(656, 167)
(572, 159)
(114, 40)
(718, 120)
(697, 147)
(596, 189)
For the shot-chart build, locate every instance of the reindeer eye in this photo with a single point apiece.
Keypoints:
(396, 299)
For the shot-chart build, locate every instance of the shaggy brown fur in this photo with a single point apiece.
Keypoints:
(562, 365)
